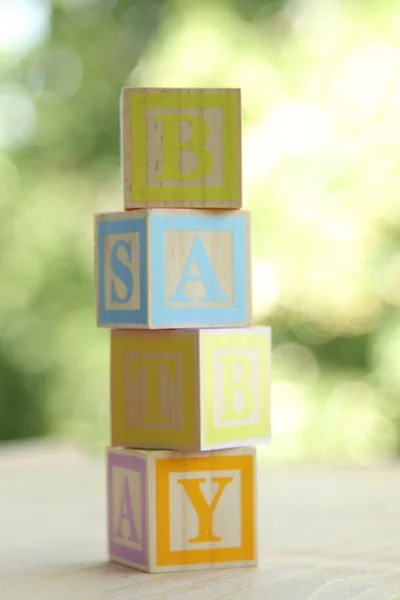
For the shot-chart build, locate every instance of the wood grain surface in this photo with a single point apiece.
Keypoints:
(326, 533)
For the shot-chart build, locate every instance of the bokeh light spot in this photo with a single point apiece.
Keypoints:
(23, 24)
(17, 118)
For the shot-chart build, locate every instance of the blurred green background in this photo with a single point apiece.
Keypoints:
(320, 86)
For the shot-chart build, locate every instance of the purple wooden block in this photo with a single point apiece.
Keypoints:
(131, 548)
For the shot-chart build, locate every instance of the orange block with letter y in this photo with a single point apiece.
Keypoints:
(173, 511)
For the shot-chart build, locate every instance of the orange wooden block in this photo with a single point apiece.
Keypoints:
(176, 511)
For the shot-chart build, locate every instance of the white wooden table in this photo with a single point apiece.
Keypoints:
(326, 534)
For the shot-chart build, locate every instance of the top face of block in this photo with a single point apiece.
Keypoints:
(181, 148)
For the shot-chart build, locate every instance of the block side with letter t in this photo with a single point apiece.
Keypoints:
(155, 389)
(201, 510)
(181, 148)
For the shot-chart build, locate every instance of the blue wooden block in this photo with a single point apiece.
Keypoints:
(169, 269)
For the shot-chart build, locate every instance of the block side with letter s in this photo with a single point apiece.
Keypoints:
(121, 269)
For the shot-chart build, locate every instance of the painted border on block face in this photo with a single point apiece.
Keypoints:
(120, 226)
(161, 314)
(258, 338)
(228, 100)
(219, 462)
(131, 463)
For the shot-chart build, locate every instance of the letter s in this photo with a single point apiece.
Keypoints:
(122, 271)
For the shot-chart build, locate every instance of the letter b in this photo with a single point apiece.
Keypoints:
(242, 384)
(173, 147)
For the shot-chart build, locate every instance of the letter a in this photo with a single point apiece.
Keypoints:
(172, 147)
(207, 275)
(126, 512)
(243, 385)
(204, 510)
(122, 271)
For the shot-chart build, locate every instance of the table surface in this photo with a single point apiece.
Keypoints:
(326, 533)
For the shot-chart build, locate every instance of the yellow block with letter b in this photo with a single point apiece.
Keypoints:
(181, 148)
(190, 389)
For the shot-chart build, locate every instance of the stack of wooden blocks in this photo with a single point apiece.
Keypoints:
(190, 375)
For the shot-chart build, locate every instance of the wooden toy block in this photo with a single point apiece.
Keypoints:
(190, 389)
(161, 269)
(181, 148)
(177, 511)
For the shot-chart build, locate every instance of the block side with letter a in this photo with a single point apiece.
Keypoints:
(128, 505)
(181, 148)
(201, 510)
(200, 269)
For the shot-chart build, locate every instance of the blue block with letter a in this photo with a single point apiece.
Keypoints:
(169, 269)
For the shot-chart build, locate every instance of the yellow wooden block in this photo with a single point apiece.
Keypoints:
(181, 148)
(190, 389)
(176, 511)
